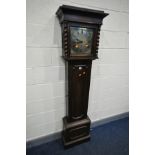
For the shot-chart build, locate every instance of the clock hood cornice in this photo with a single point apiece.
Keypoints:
(76, 14)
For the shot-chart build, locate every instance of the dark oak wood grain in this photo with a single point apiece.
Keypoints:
(76, 123)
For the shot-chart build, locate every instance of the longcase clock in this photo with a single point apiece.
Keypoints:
(80, 40)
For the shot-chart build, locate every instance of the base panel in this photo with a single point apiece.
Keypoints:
(75, 132)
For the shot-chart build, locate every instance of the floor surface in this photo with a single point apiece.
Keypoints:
(108, 139)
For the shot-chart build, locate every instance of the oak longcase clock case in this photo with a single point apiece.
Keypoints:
(80, 40)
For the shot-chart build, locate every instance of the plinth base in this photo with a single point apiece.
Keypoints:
(75, 132)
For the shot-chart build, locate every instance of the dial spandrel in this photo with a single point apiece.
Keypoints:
(81, 41)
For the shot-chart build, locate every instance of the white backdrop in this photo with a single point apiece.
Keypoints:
(46, 70)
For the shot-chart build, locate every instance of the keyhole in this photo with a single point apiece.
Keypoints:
(80, 68)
